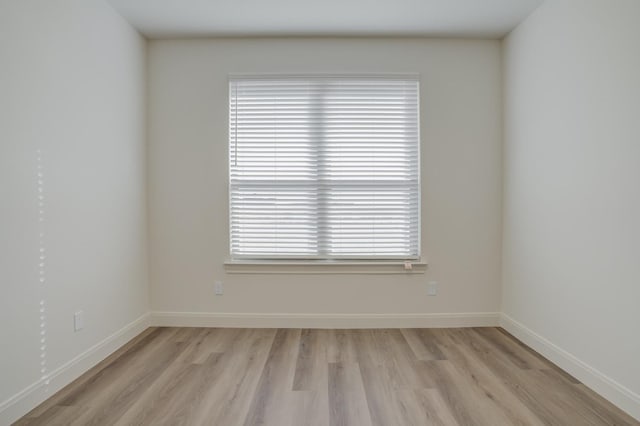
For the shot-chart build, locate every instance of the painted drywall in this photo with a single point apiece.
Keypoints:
(461, 176)
(572, 183)
(72, 85)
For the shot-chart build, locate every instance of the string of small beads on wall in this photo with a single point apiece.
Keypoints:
(42, 280)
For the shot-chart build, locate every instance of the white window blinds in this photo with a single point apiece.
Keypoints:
(324, 168)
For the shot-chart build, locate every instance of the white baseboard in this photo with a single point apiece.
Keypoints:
(600, 383)
(251, 320)
(30, 397)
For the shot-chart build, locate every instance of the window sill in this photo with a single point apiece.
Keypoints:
(323, 267)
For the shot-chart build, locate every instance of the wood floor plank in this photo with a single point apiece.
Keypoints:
(292, 377)
(587, 402)
(423, 344)
(434, 408)
(559, 400)
(116, 398)
(311, 380)
(548, 365)
(604, 409)
(401, 363)
(423, 407)
(57, 415)
(202, 398)
(161, 395)
(520, 356)
(312, 363)
(482, 380)
(117, 374)
(119, 357)
(271, 402)
(228, 385)
(529, 386)
(341, 347)
(347, 398)
(310, 408)
(378, 376)
(518, 381)
(460, 403)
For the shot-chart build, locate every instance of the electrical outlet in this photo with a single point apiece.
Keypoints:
(432, 288)
(218, 288)
(78, 321)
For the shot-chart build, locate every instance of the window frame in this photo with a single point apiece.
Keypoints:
(346, 264)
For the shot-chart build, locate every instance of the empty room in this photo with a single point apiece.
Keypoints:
(320, 213)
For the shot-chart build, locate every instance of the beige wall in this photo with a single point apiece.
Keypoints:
(461, 171)
(572, 186)
(71, 85)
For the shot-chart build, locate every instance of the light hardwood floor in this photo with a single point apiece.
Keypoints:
(227, 377)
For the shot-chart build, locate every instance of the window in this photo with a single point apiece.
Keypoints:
(324, 168)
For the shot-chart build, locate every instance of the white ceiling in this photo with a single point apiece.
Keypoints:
(200, 18)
